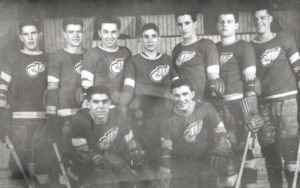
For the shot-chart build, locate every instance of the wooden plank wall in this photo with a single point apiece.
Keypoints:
(167, 25)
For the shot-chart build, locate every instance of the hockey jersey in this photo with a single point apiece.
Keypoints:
(114, 136)
(101, 67)
(190, 138)
(64, 80)
(237, 61)
(23, 83)
(149, 76)
(197, 62)
(276, 60)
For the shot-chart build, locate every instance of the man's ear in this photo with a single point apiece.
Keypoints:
(40, 35)
(193, 94)
(237, 25)
(21, 38)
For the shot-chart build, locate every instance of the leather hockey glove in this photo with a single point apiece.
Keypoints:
(137, 156)
(165, 178)
(254, 123)
(221, 154)
(216, 86)
(97, 159)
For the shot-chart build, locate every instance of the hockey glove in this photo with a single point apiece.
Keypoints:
(221, 154)
(97, 159)
(137, 156)
(254, 123)
(216, 86)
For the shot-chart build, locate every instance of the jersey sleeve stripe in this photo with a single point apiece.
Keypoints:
(87, 75)
(76, 142)
(129, 82)
(249, 73)
(29, 115)
(5, 77)
(213, 72)
(3, 87)
(295, 57)
(67, 112)
(220, 128)
(51, 109)
(52, 79)
(3, 103)
(52, 85)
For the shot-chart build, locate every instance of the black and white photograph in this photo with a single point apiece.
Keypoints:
(149, 93)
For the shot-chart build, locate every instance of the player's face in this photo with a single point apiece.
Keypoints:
(262, 21)
(150, 40)
(186, 26)
(30, 37)
(227, 25)
(183, 98)
(109, 34)
(73, 35)
(99, 106)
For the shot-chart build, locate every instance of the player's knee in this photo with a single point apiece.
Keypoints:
(288, 148)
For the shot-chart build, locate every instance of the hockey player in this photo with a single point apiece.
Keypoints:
(238, 72)
(193, 141)
(23, 83)
(278, 68)
(148, 77)
(64, 81)
(104, 64)
(196, 58)
(103, 144)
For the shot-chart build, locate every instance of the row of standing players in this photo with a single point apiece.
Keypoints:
(177, 137)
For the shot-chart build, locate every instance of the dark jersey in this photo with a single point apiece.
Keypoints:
(191, 137)
(274, 61)
(147, 76)
(23, 82)
(192, 62)
(102, 67)
(64, 80)
(236, 62)
(114, 136)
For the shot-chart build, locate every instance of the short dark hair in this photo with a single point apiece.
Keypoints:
(102, 89)
(182, 82)
(73, 21)
(262, 6)
(181, 13)
(149, 26)
(228, 11)
(107, 19)
(29, 22)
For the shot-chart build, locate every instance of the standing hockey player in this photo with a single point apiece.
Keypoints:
(23, 83)
(64, 81)
(238, 72)
(193, 141)
(196, 59)
(278, 66)
(103, 144)
(105, 63)
(148, 78)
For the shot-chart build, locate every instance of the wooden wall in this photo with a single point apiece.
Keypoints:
(131, 25)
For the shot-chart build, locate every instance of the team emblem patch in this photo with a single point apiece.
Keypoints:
(269, 56)
(225, 57)
(106, 140)
(159, 73)
(192, 131)
(116, 66)
(185, 56)
(35, 68)
(78, 67)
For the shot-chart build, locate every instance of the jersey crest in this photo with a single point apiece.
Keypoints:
(225, 57)
(107, 139)
(184, 56)
(116, 67)
(192, 131)
(78, 67)
(159, 73)
(269, 56)
(35, 68)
